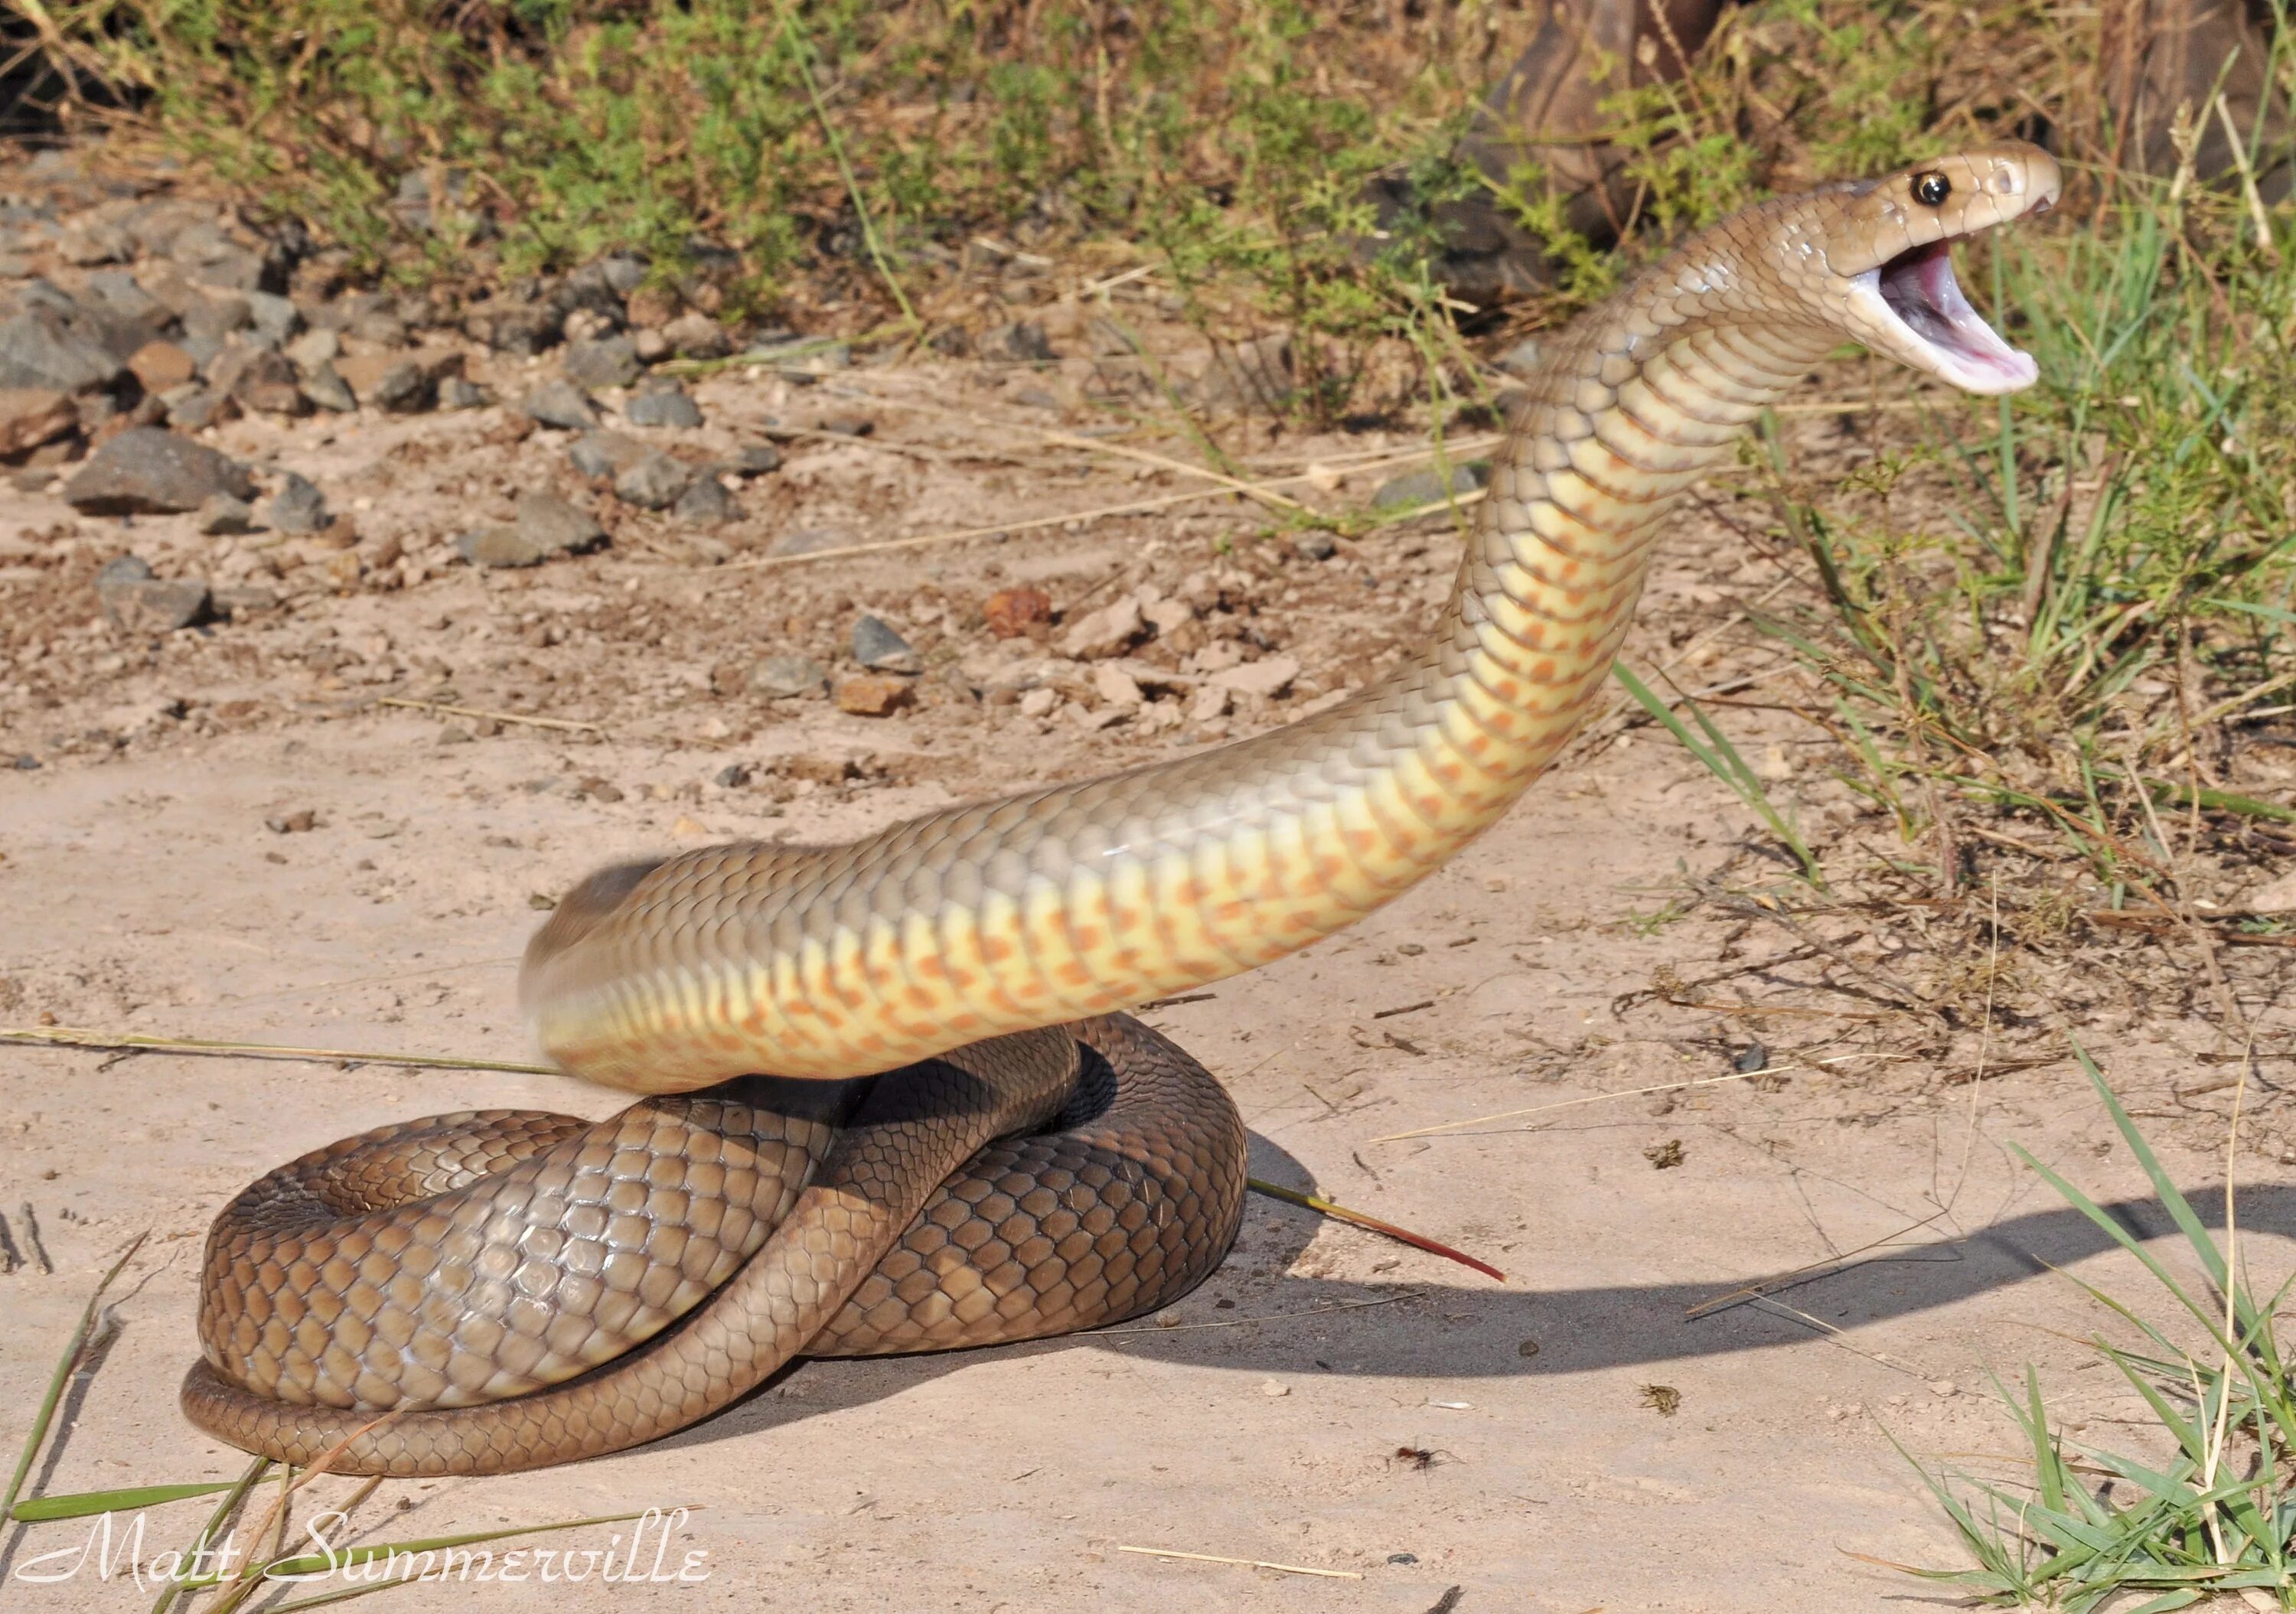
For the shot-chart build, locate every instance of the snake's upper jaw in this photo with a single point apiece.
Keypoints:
(1915, 299)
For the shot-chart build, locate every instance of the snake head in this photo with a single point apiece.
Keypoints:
(1874, 259)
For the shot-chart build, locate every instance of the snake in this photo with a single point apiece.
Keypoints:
(891, 1097)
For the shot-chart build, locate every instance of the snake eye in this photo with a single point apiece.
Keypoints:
(1931, 189)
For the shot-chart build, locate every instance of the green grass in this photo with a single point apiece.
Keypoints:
(2217, 1511)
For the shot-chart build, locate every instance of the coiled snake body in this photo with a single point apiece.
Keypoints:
(515, 1289)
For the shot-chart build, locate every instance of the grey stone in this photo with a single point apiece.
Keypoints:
(523, 328)
(456, 392)
(695, 335)
(785, 678)
(655, 482)
(608, 361)
(298, 508)
(197, 408)
(1524, 360)
(265, 380)
(125, 297)
(327, 389)
(137, 601)
(244, 600)
(877, 647)
(705, 504)
(753, 459)
(667, 407)
(216, 316)
(559, 404)
(404, 388)
(222, 516)
(601, 455)
(624, 272)
(1314, 546)
(275, 317)
(1431, 486)
(499, 547)
(145, 471)
(42, 348)
(380, 326)
(313, 350)
(549, 523)
(811, 540)
(204, 349)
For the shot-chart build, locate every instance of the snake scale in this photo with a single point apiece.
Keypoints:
(499, 1290)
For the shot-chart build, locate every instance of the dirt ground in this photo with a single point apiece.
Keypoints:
(1600, 1433)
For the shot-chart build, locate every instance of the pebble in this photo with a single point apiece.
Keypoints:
(145, 471)
(1944, 1387)
(1023, 339)
(1273, 1390)
(298, 508)
(500, 548)
(1431, 486)
(753, 459)
(137, 601)
(654, 482)
(1268, 677)
(1524, 360)
(563, 404)
(874, 696)
(879, 648)
(1012, 612)
(695, 335)
(1314, 546)
(784, 677)
(1039, 702)
(664, 406)
(705, 504)
(605, 454)
(610, 361)
(222, 516)
(328, 389)
(389, 381)
(1108, 631)
(30, 416)
(159, 365)
(550, 523)
(300, 822)
(456, 393)
(197, 408)
(314, 348)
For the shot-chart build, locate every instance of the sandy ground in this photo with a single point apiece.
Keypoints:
(1601, 1438)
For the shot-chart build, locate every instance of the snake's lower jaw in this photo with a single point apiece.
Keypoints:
(1914, 310)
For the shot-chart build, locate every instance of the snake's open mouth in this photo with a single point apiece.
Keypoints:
(1919, 290)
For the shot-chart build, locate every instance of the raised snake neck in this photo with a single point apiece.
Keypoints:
(1075, 900)
(564, 1265)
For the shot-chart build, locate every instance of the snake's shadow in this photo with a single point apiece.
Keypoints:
(1253, 1316)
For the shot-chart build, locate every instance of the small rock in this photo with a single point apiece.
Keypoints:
(1268, 677)
(650, 345)
(1108, 631)
(160, 366)
(695, 335)
(654, 483)
(1273, 1390)
(456, 393)
(706, 503)
(301, 822)
(1211, 701)
(1944, 1387)
(666, 406)
(314, 348)
(1753, 1058)
(810, 540)
(879, 648)
(30, 416)
(601, 455)
(1524, 360)
(521, 327)
(1431, 486)
(559, 404)
(275, 317)
(197, 408)
(297, 509)
(753, 459)
(1116, 686)
(784, 677)
(602, 362)
(500, 548)
(222, 516)
(44, 348)
(213, 318)
(388, 381)
(1666, 1156)
(328, 389)
(1039, 702)
(139, 603)
(1314, 546)
(147, 470)
(268, 383)
(550, 523)
(243, 600)
(874, 696)
(1012, 612)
